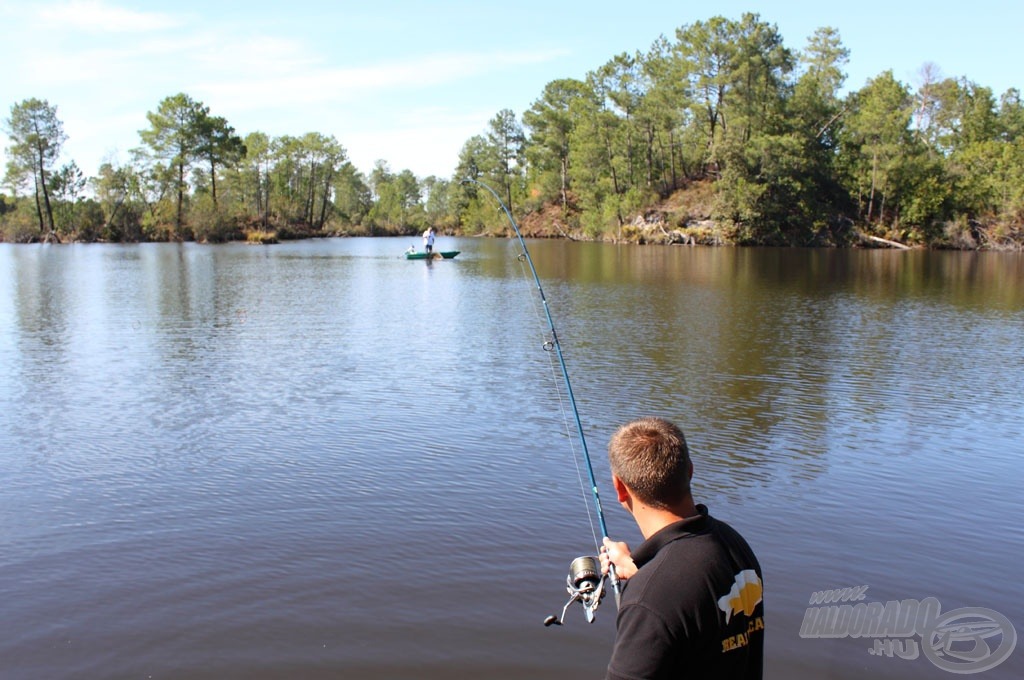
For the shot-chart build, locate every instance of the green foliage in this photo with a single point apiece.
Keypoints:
(66, 188)
(398, 208)
(438, 196)
(352, 197)
(211, 223)
(18, 222)
(89, 220)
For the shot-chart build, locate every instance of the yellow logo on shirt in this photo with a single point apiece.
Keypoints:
(744, 596)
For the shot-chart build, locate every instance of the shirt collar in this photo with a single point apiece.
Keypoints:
(681, 529)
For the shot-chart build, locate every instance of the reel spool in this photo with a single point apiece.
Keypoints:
(585, 584)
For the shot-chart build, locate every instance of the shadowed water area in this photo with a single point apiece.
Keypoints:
(320, 460)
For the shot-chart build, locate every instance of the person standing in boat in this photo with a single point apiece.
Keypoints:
(428, 240)
(692, 593)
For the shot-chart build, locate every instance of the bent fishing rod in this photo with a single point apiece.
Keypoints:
(585, 583)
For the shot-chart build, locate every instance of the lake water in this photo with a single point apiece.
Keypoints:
(319, 460)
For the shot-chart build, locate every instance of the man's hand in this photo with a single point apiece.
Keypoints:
(617, 553)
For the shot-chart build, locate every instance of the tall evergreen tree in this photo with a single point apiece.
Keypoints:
(551, 122)
(217, 145)
(37, 136)
(174, 136)
(876, 142)
(506, 139)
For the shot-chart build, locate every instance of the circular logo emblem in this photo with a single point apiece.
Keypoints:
(961, 640)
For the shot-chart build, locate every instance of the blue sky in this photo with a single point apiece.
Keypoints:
(410, 81)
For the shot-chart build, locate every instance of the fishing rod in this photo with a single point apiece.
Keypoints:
(585, 583)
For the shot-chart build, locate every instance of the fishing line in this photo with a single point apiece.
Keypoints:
(584, 583)
(548, 346)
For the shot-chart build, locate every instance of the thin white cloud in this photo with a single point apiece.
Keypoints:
(252, 55)
(156, 61)
(98, 16)
(248, 90)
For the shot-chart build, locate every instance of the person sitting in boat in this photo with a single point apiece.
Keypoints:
(411, 250)
(428, 239)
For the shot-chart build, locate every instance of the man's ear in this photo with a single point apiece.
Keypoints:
(620, 489)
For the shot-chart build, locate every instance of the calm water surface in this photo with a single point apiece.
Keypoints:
(319, 460)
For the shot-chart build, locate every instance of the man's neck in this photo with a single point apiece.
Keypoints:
(652, 520)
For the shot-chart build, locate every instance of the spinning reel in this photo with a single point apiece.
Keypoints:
(585, 585)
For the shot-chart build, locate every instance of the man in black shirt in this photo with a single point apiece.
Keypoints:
(691, 601)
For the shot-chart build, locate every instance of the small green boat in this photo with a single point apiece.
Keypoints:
(446, 254)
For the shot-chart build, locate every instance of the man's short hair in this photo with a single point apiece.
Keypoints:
(650, 456)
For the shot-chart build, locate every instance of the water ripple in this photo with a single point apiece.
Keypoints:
(234, 461)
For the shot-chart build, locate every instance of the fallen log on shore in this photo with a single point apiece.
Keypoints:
(885, 241)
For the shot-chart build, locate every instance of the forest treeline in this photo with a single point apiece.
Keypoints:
(719, 134)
